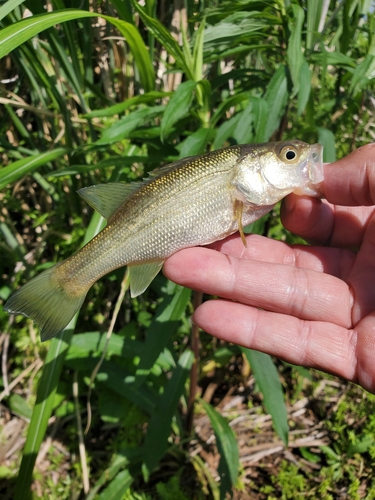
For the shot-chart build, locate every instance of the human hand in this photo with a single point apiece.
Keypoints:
(308, 305)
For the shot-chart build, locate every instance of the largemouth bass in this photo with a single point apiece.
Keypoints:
(194, 201)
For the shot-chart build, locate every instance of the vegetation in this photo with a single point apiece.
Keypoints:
(108, 92)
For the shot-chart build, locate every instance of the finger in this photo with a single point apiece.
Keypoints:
(333, 261)
(320, 345)
(290, 290)
(351, 180)
(365, 351)
(362, 276)
(320, 222)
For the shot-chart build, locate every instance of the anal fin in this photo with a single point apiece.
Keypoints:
(238, 210)
(141, 276)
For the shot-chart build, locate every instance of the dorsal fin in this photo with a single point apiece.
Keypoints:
(169, 167)
(106, 198)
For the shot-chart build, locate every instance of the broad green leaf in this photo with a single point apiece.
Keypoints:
(196, 143)
(123, 106)
(112, 408)
(121, 381)
(294, 51)
(223, 34)
(159, 427)
(327, 139)
(225, 105)
(276, 97)
(163, 325)
(227, 447)
(178, 106)
(304, 87)
(19, 406)
(268, 380)
(226, 130)
(23, 167)
(94, 342)
(117, 487)
(122, 128)
(362, 74)
(335, 58)
(261, 118)
(243, 133)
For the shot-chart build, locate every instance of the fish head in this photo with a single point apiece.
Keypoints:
(294, 166)
(274, 170)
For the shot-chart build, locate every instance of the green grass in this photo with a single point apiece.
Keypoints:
(108, 94)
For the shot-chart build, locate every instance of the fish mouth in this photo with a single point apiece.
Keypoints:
(311, 172)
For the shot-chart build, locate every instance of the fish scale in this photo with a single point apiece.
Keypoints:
(193, 201)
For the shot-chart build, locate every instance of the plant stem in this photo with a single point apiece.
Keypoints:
(194, 342)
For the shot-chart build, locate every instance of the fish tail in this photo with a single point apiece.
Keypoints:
(48, 301)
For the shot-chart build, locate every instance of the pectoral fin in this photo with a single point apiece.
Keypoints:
(238, 209)
(141, 276)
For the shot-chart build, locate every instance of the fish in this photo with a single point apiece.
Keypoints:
(190, 202)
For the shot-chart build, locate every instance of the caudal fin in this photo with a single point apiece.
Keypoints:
(47, 302)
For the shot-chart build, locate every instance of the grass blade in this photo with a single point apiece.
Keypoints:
(228, 449)
(304, 87)
(46, 392)
(19, 168)
(117, 487)
(156, 441)
(42, 410)
(268, 380)
(14, 35)
(8, 7)
(196, 143)
(295, 56)
(161, 33)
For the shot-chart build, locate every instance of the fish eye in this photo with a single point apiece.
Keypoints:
(288, 153)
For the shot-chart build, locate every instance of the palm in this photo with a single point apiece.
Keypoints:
(309, 305)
